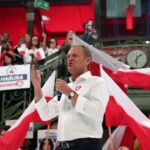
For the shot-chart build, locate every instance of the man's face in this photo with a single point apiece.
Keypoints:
(77, 62)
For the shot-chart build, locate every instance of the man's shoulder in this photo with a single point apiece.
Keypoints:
(96, 79)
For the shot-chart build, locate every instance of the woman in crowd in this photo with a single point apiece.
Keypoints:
(5, 48)
(8, 59)
(34, 44)
(50, 145)
(52, 46)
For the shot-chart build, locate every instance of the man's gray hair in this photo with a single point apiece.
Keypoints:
(86, 50)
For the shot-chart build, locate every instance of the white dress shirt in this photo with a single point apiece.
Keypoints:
(51, 51)
(85, 119)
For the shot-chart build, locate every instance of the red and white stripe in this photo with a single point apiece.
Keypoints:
(122, 111)
(137, 77)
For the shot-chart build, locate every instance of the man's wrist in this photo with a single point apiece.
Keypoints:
(37, 87)
(38, 93)
(71, 94)
(68, 91)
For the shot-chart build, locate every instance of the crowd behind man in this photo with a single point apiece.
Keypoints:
(30, 49)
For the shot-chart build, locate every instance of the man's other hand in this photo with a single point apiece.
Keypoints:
(62, 87)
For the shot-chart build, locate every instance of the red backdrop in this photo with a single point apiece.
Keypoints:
(13, 20)
(62, 19)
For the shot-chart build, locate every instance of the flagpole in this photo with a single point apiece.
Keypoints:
(110, 137)
(47, 133)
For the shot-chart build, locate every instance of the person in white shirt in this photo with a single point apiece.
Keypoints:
(52, 47)
(82, 104)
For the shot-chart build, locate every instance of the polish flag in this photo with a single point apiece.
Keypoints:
(137, 77)
(40, 55)
(15, 136)
(22, 49)
(121, 110)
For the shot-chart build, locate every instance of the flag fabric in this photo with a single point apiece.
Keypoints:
(45, 18)
(22, 49)
(133, 77)
(15, 136)
(95, 70)
(128, 134)
(117, 135)
(122, 111)
(101, 57)
(123, 137)
(40, 54)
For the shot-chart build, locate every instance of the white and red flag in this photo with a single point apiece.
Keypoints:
(40, 55)
(138, 77)
(122, 111)
(15, 136)
(22, 49)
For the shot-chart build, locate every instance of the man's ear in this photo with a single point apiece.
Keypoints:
(89, 60)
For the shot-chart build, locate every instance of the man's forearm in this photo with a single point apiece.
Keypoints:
(38, 93)
(74, 99)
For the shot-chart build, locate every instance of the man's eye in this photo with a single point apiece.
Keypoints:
(74, 55)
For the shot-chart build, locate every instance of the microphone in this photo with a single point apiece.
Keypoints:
(59, 76)
(62, 73)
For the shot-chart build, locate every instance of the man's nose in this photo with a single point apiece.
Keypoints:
(70, 59)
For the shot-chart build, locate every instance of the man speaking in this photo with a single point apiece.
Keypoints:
(82, 104)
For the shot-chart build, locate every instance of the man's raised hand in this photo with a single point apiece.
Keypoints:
(36, 81)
